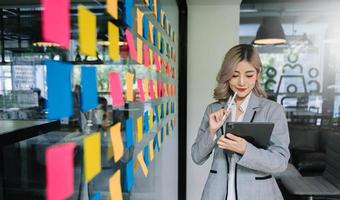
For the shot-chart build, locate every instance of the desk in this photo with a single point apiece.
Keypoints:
(13, 131)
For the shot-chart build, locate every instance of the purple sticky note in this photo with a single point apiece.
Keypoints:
(56, 22)
(116, 89)
(131, 44)
(59, 171)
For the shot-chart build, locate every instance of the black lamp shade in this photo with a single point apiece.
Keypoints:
(270, 32)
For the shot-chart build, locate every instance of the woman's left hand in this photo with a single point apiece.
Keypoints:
(232, 143)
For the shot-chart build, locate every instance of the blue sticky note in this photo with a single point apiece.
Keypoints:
(128, 6)
(172, 125)
(167, 129)
(146, 122)
(162, 135)
(162, 111)
(159, 13)
(164, 22)
(167, 108)
(88, 83)
(167, 50)
(156, 113)
(155, 143)
(162, 45)
(129, 179)
(59, 95)
(95, 196)
(146, 155)
(169, 31)
(151, 4)
(129, 132)
(155, 41)
(172, 107)
(145, 28)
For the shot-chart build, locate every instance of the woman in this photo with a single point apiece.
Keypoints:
(239, 169)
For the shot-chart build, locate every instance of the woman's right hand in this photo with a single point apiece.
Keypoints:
(217, 119)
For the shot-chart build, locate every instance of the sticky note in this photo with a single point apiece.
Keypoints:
(145, 28)
(139, 51)
(141, 163)
(114, 41)
(129, 86)
(139, 19)
(155, 89)
(159, 13)
(162, 135)
(87, 31)
(60, 171)
(131, 44)
(139, 129)
(159, 112)
(151, 151)
(162, 17)
(156, 61)
(128, 7)
(115, 186)
(155, 8)
(146, 155)
(56, 22)
(146, 2)
(112, 8)
(59, 85)
(159, 88)
(150, 118)
(150, 4)
(162, 111)
(116, 89)
(155, 39)
(150, 32)
(146, 55)
(167, 129)
(129, 132)
(160, 138)
(159, 40)
(156, 112)
(156, 143)
(117, 142)
(92, 156)
(146, 89)
(129, 179)
(141, 89)
(151, 56)
(146, 122)
(88, 82)
(95, 196)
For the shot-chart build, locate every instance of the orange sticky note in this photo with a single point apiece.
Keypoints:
(139, 19)
(129, 86)
(139, 129)
(139, 51)
(60, 171)
(131, 44)
(114, 41)
(146, 55)
(150, 32)
(155, 90)
(92, 156)
(115, 187)
(112, 8)
(146, 89)
(151, 150)
(142, 163)
(155, 8)
(87, 31)
(117, 142)
(116, 89)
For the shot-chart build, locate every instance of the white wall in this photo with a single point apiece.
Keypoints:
(213, 28)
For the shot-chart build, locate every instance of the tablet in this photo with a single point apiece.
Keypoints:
(257, 133)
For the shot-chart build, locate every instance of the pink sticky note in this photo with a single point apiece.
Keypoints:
(156, 61)
(146, 55)
(131, 44)
(152, 93)
(159, 87)
(116, 89)
(140, 87)
(56, 22)
(59, 171)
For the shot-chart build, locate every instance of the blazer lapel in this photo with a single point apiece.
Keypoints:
(253, 106)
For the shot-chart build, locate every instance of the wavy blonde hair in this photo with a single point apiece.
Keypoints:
(238, 53)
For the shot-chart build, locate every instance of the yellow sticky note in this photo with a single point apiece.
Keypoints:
(129, 86)
(151, 150)
(139, 129)
(112, 8)
(117, 142)
(150, 56)
(167, 27)
(146, 89)
(155, 8)
(159, 40)
(141, 163)
(150, 32)
(150, 118)
(162, 16)
(170, 129)
(114, 41)
(159, 112)
(87, 31)
(92, 156)
(139, 51)
(139, 19)
(115, 187)
(159, 138)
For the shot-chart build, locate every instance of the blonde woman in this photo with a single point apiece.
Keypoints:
(241, 171)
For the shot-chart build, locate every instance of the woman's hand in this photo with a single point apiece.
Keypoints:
(232, 143)
(216, 120)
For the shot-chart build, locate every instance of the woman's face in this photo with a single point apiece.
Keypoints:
(244, 79)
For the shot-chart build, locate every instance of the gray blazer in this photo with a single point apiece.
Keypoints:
(253, 175)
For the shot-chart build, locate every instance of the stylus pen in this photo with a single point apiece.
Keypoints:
(231, 102)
